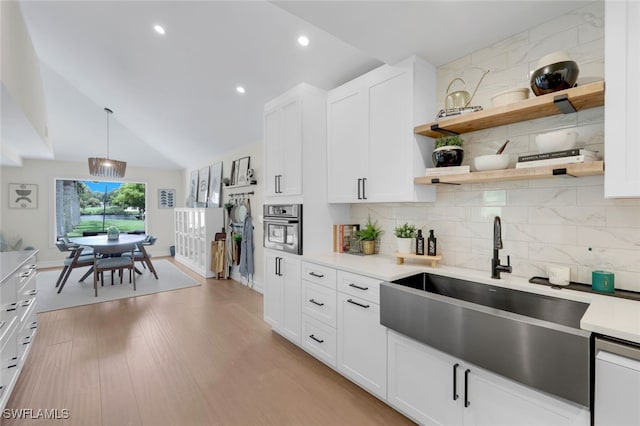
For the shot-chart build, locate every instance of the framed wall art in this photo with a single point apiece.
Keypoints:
(193, 189)
(215, 184)
(166, 198)
(243, 167)
(203, 186)
(23, 196)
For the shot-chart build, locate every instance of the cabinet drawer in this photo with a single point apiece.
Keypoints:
(319, 274)
(359, 286)
(319, 302)
(319, 340)
(27, 277)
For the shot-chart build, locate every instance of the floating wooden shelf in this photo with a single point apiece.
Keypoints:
(565, 101)
(400, 257)
(592, 168)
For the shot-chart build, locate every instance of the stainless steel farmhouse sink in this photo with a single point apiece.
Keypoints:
(531, 338)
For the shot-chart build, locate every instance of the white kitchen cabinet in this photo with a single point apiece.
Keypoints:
(282, 293)
(617, 384)
(195, 229)
(362, 343)
(18, 323)
(283, 146)
(373, 154)
(622, 99)
(436, 389)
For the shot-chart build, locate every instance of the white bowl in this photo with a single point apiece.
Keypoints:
(491, 162)
(509, 96)
(556, 141)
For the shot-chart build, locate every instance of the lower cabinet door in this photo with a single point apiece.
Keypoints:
(494, 400)
(424, 384)
(273, 291)
(290, 271)
(362, 343)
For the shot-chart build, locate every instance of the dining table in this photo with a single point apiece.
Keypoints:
(124, 243)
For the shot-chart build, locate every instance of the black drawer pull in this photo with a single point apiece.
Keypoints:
(313, 274)
(316, 339)
(455, 381)
(34, 325)
(12, 307)
(358, 304)
(316, 303)
(358, 287)
(32, 292)
(26, 303)
(12, 366)
(466, 388)
(27, 340)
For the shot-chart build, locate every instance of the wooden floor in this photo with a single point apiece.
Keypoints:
(196, 356)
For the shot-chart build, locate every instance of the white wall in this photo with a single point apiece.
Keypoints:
(255, 151)
(549, 221)
(37, 226)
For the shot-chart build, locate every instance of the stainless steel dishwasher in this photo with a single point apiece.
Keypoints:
(617, 383)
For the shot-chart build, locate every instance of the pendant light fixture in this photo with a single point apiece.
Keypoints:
(106, 167)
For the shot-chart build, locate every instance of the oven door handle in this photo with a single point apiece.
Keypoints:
(280, 221)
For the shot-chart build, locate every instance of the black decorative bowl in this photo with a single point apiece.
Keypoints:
(554, 77)
(447, 156)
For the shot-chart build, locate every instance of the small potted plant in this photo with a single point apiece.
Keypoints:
(404, 237)
(369, 235)
(448, 151)
(237, 248)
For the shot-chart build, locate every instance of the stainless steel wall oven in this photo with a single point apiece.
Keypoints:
(283, 227)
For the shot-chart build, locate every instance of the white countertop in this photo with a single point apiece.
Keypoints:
(610, 316)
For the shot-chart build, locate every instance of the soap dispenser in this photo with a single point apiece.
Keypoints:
(431, 244)
(420, 243)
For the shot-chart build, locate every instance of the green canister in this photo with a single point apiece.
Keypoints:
(603, 281)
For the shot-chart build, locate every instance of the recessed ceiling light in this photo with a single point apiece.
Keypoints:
(159, 29)
(240, 90)
(303, 40)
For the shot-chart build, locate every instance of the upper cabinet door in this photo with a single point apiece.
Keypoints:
(347, 144)
(283, 148)
(272, 151)
(390, 138)
(622, 99)
(291, 142)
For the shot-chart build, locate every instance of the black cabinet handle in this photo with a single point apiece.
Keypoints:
(34, 325)
(316, 339)
(26, 303)
(12, 307)
(358, 287)
(364, 188)
(455, 381)
(275, 183)
(32, 293)
(358, 304)
(313, 274)
(278, 266)
(316, 303)
(466, 388)
(359, 194)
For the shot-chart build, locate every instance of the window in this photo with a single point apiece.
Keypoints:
(89, 207)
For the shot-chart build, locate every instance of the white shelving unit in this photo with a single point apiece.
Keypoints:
(195, 228)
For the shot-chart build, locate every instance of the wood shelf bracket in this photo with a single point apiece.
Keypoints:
(437, 128)
(437, 180)
(562, 171)
(563, 103)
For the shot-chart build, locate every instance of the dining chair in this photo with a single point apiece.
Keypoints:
(106, 259)
(141, 255)
(76, 259)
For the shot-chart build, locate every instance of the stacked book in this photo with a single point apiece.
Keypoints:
(342, 235)
(568, 156)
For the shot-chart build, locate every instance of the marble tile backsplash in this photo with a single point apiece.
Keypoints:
(571, 225)
(559, 221)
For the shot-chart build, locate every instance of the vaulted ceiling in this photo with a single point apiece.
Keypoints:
(174, 95)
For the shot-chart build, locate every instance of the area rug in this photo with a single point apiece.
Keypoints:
(77, 293)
